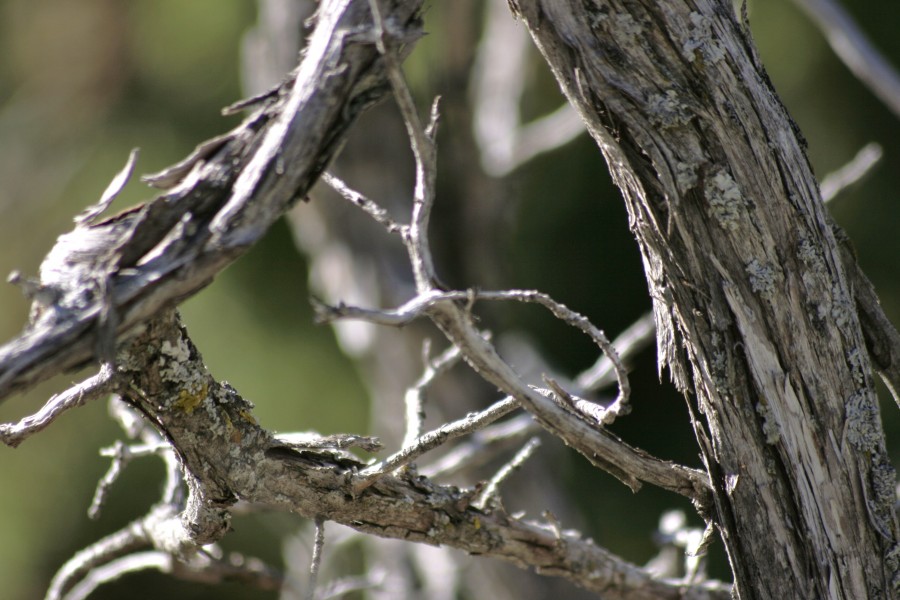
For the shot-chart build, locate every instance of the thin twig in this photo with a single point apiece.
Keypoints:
(421, 145)
(125, 541)
(861, 165)
(580, 406)
(316, 562)
(489, 493)
(424, 195)
(121, 454)
(414, 399)
(677, 540)
(92, 388)
(420, 305)
(547, 133)
(118, 568)
(403, 315)
(116, 185)
(482, 446)
(345, 585)
(199, 568)
(121, 457)
(602, 449)
(631, 341)
(498, 84)
(425, 154)
(369, 206)
(431, 440)
(575, 319)
(135, 426)
(424, 303)
(855, 50)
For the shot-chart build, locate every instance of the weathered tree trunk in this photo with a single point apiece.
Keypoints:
(755, 315)
(755, 297)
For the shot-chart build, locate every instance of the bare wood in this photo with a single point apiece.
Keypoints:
(103, 280)
(227, 457)
(755, 315)
(601, 447)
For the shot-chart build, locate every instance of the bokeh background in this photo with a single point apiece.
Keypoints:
(81, 83)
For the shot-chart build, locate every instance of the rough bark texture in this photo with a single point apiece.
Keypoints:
(219, 201)
(105, 295)
(755, 301)
(227, 457)
(755, 316)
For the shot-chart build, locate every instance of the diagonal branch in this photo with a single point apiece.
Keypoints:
(217, 203)
(92, 388)
(599, 446)
(855, 50)
(444, 309)
(232, 457)
(434, 439)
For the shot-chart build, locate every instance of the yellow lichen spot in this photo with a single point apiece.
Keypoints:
(188, 400)
(247, 417)
(477, 523)
(234, 434)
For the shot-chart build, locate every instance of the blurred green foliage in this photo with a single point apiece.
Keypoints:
(83, 82)
(80, 84)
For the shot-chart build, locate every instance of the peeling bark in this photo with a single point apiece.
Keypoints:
(113, 275)
(763, 318)
(227, 457)
(755, 316)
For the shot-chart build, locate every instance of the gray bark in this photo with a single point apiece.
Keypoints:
(755, 314)
(756, 302)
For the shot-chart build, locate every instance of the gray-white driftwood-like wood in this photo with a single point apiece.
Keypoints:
(755, 311)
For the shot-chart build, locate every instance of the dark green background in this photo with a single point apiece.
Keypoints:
(81, 83)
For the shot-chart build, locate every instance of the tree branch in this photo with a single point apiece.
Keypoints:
(754, 312)
(92, 388)
(231, 457)
(219, 201)
(855, 50)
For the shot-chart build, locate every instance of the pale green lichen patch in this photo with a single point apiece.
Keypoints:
(176, 368)
(769, 425)
(762, 278)
(178, 352)
(813, 275)
(668, 110)
(685, 176)
(809, 255)
(597, 15)
(842, 308)
(702, 39)
(811, 258)
(726, 203)
(884, 481)
(855, 360)
(863, 428)
(626, 24)
(719, 364)
(174, 359)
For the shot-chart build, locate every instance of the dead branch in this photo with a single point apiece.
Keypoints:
(218, 202)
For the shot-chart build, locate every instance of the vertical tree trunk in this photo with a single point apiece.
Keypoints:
(755, 316)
